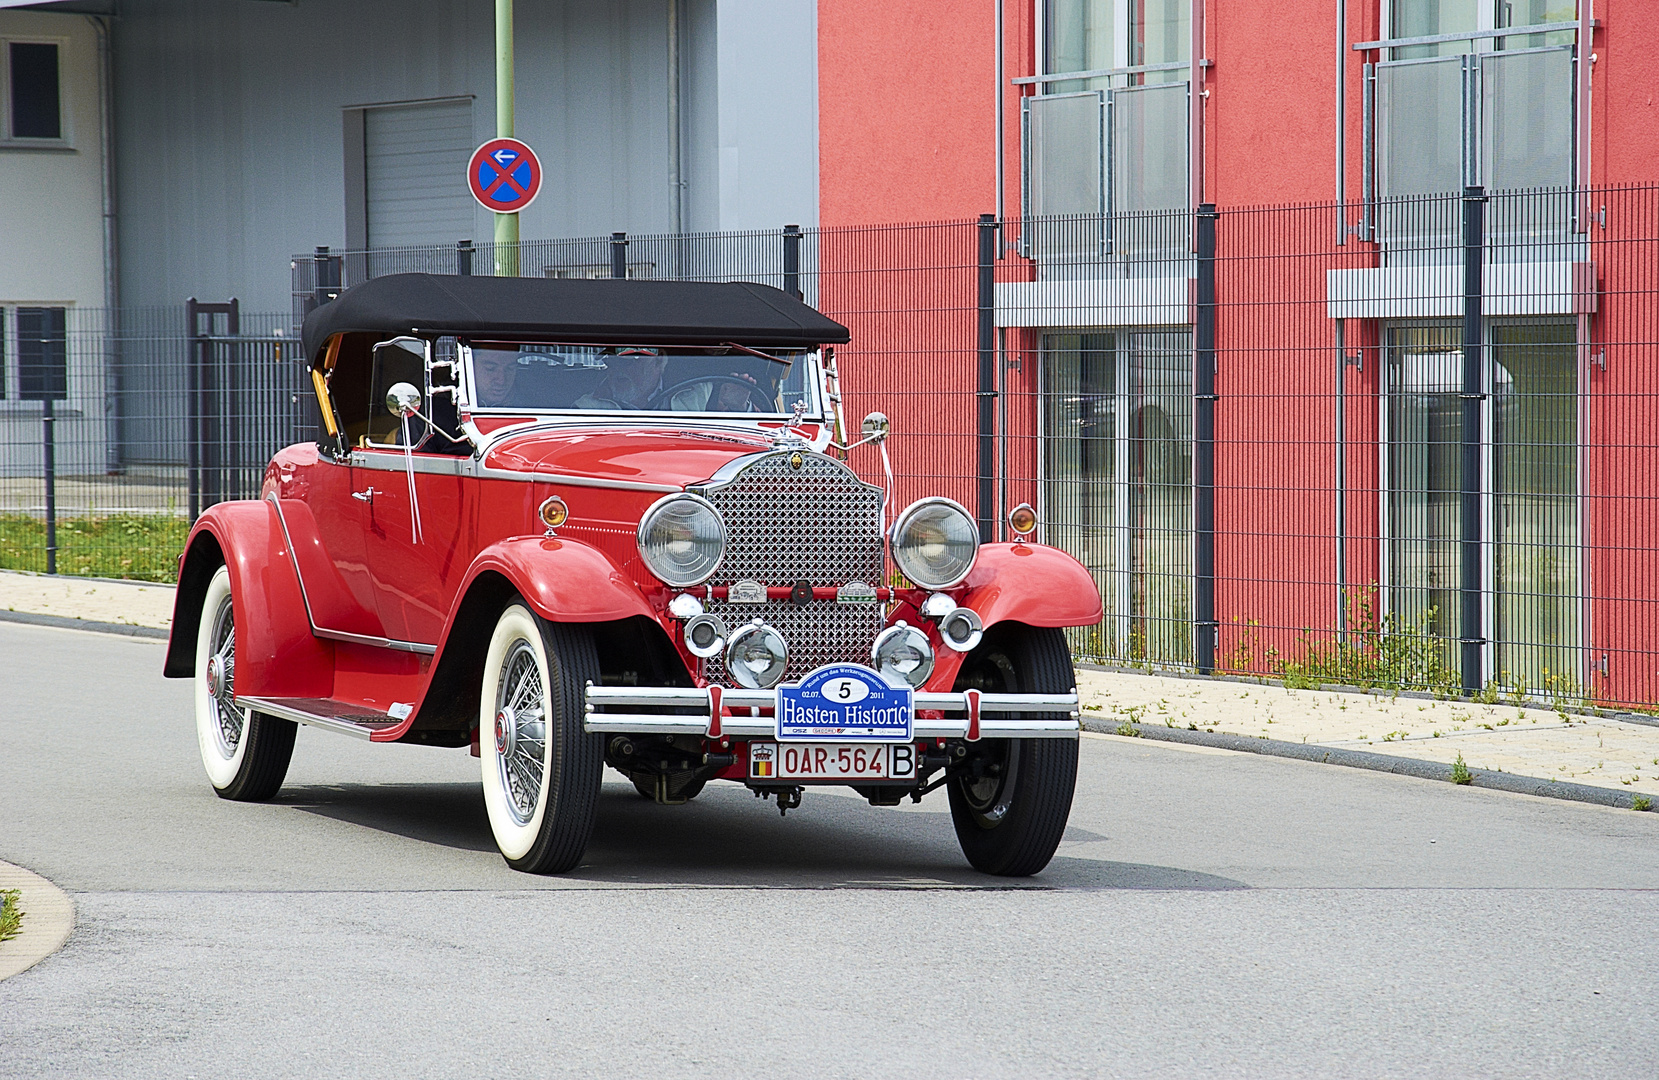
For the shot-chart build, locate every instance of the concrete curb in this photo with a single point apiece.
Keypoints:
(63, 622)
(1361, 759)
(48, 917)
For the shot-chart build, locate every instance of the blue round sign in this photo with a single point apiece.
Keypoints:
(504, 175)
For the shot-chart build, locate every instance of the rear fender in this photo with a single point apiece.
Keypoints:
(276, 654)
(1031, 584)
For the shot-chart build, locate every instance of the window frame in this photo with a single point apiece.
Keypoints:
(10, 141)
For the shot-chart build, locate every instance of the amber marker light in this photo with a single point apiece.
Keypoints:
(553, 512)
(1022, 519)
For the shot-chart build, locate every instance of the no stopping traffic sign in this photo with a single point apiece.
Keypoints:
(504, 175)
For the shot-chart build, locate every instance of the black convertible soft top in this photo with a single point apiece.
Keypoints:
(597, 311)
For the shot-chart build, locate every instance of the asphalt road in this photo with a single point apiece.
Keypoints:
(1210, 914)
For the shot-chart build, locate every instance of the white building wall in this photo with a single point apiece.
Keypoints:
(52, 253)
(51, 200)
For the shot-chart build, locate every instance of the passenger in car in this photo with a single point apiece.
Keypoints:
(632, 378)
(496, 374)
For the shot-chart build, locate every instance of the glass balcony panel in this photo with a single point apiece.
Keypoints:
(1527, 119)
(1065, 189)
(1420, 127)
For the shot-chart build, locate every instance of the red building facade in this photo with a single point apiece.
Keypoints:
(1336, 140)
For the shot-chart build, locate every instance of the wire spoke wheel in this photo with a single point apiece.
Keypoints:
(521, 731)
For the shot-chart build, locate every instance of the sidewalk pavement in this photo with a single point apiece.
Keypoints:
(1622, 755)
(127, 603)
(1512, 738)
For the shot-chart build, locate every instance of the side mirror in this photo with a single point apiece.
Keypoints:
(403, 399)
(875, 427)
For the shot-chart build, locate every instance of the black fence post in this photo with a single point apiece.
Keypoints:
(1205, 627)
(49, 448)
(193, 410)
(1474, 395)
(463, 258)
(987, 393)
(619, 254)
(327, 275)
(792, 261)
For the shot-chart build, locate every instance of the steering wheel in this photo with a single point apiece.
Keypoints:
(664, 399)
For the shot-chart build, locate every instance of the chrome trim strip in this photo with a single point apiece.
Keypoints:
(488, 473)
(337, 635)
(299, 716)
(392, 460)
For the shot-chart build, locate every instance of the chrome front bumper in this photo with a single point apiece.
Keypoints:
(967, 715)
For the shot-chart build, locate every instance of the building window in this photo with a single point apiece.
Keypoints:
(1528, 485)
(1117, 483)
(34, 108)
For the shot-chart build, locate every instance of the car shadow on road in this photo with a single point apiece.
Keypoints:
(726, 838)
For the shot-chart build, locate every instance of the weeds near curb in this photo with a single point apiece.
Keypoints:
(11, 913)
(1460, 772)
(1128, 730)
(1641, 802)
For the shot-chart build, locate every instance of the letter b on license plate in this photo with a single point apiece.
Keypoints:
(844, 702)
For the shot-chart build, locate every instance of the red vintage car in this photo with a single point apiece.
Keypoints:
(571, 524)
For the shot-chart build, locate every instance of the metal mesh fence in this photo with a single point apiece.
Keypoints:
(1403, 444)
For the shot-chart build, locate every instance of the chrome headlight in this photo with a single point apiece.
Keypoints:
(757, 656)
(902, 655)
(682, 539)
(935, 542)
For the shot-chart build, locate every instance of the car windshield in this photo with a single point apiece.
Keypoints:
(631, 378)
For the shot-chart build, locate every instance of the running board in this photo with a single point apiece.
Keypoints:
(358, 720)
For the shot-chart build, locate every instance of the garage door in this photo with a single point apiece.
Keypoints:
(415, 164)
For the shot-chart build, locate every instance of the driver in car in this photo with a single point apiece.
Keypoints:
(634, 380)
(495, 373)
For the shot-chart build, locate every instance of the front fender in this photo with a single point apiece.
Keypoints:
(563, 580)
(1025, 583)
(276, 654)
(1033, 584)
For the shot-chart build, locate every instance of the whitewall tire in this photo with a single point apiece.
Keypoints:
(246, 754)
(541, 771)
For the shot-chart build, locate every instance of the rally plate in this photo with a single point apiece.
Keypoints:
(844, 702)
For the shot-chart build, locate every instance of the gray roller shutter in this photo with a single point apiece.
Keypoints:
(415, 164)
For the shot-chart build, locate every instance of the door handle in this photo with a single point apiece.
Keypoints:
(366, 495)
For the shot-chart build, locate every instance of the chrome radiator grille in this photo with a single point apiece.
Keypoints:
(819, 633)
(817, 523)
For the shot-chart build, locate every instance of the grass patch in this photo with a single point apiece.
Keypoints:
(1460, 772)
(144, 547)
(1641, 802)
(11, 913)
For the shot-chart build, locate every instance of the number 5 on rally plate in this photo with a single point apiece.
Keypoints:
(844, 702)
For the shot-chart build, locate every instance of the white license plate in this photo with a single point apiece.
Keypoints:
(831, 761)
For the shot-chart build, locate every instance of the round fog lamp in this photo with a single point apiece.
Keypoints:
(705, 636)
(902, 655)
(1022, 519)
(935, 542)
(962, 629)
(682, 539)
(757, 656)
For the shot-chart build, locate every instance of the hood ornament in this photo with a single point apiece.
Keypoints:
(787, 436)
